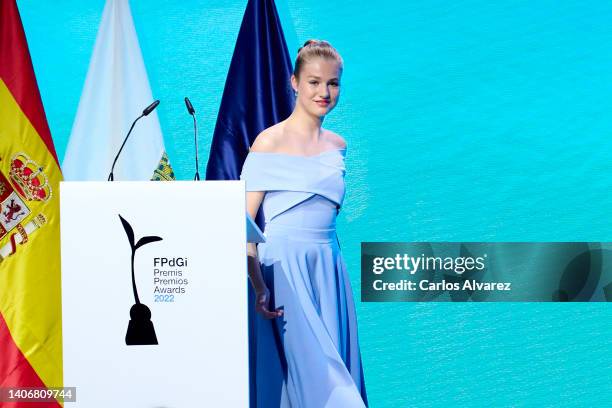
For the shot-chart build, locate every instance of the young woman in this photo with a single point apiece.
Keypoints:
(306, 333)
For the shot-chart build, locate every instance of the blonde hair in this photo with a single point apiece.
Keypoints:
(313, 49)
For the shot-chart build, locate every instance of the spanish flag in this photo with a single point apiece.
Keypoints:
(30, 302)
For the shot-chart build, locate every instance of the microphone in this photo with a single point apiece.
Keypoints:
(191, 111)
(189, 106)
(150, 108)
(145, 112)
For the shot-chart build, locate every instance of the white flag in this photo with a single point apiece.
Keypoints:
(115, 93)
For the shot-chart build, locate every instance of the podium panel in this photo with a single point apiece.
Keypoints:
(171, 331)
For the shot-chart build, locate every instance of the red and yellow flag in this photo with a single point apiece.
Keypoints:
(30, 288)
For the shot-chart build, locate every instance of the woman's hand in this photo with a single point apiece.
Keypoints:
(262, 300)
(262, 294)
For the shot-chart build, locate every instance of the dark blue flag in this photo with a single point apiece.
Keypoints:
(257, 90)
(257, 95)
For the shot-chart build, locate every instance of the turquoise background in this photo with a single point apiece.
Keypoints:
(465, 120)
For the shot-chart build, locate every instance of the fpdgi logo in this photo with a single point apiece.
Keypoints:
(140, 329)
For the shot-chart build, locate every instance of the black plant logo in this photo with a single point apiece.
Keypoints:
(140, 329)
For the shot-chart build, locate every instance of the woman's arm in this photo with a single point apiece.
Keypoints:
(254, 199)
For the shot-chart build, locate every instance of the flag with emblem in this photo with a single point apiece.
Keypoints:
(30, 303)
(115, 93)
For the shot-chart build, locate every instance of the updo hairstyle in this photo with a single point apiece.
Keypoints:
(313, 49)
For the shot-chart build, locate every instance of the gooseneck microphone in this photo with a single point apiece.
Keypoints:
(150, 108)
(145, 112)
(195, 136)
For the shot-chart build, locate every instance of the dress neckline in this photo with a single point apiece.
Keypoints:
(340, 149)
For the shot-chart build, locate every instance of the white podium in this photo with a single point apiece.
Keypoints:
(192, 348)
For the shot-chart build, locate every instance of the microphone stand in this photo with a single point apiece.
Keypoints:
(110, 176)
(195, 136)
(191, 111)
(145, 112)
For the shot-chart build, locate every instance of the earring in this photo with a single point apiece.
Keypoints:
(295, 93)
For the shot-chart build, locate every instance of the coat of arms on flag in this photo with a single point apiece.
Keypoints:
(26, 182)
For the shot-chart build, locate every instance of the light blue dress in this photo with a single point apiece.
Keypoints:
(309, 357)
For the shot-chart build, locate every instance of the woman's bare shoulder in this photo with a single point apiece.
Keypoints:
(334, 139)
(268, 140)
